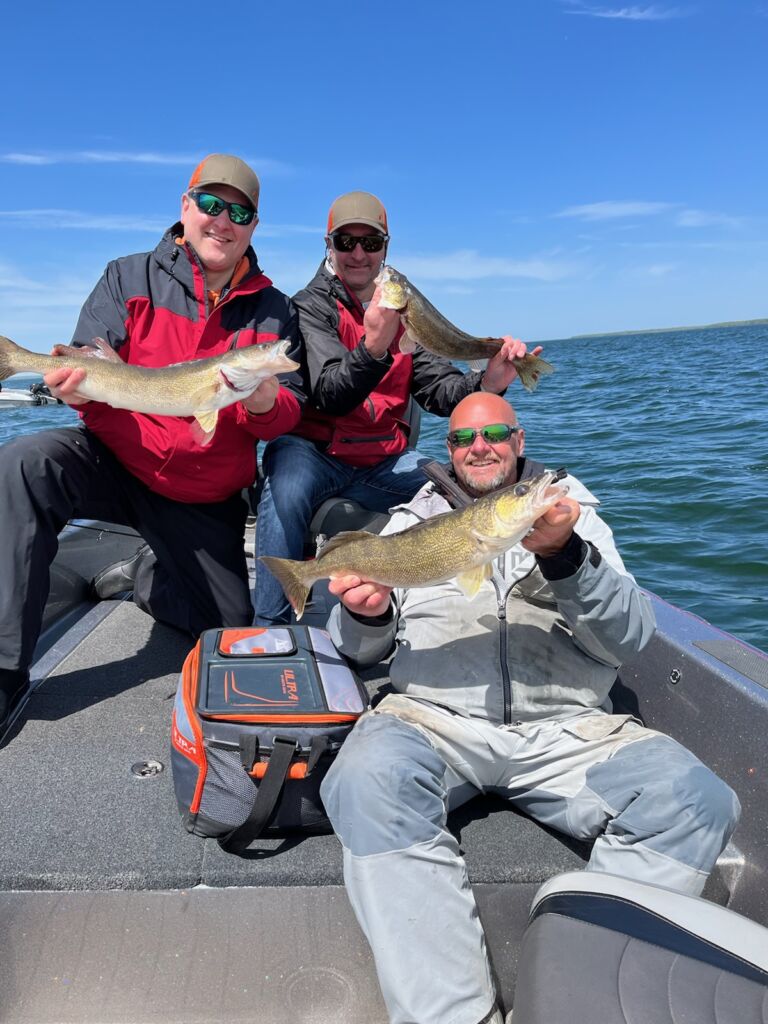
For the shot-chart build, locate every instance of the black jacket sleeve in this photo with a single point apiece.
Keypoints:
(338, 379)
(104, 313)
(438, 385)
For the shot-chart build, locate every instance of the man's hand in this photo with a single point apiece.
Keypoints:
(552, 531)
(63, 383)
(263, 398)
(500, 372)
(360, 596)
(381, 326)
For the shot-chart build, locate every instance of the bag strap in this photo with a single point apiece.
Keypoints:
(268, 792)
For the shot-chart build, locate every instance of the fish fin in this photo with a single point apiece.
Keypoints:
(288, 574)
(469, 582)
(530, 368)
(484, 542)
(8, 349)
(407, 344)
(204, 426)
(104, 350)
(477, 364)
(98, 349)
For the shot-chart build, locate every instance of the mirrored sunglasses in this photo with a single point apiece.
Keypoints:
(494, 433)
(239, 213)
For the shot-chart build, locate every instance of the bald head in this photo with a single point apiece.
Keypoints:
(484, 466)
(481, 408)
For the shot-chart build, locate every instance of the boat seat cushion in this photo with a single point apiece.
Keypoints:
(606, 949)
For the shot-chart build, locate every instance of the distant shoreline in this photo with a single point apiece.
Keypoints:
(667, 330)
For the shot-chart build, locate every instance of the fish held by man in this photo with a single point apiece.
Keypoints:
(198, 388)
(427, 327)
(460, 544)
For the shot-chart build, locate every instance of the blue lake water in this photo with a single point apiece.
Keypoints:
(670, 431)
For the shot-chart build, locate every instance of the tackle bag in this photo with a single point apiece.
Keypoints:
(258, 718)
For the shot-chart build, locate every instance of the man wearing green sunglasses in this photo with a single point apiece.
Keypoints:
(198, 294)
(506, 693)
(353, 439)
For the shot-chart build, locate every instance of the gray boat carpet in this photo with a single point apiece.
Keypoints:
(73, 816)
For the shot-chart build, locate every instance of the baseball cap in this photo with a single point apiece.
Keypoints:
(357, 208)
(221, 169)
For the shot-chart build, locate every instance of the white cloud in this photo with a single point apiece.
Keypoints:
(469, 265)
(651, 12)
(613, 209)
(287, 231)
(660, 269)
(263, 165)
(51, 220)
(54, 219)
(19, 291)
(706, 219)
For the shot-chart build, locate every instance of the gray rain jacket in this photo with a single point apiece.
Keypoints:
(526, 647)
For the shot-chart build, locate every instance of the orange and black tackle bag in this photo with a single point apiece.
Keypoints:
(259, 716)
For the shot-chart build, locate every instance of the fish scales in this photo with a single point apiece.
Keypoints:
(198, 388)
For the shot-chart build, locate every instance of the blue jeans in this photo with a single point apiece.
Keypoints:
(298, 479)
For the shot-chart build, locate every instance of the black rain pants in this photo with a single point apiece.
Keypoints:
(197, 580)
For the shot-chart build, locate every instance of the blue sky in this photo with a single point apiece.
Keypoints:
(550, 167)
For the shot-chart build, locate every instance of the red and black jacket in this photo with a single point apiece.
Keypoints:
(357, 404)
(154, 309)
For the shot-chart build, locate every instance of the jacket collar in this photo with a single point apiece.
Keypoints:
(443, 477)
(329, 283)
(168, 252)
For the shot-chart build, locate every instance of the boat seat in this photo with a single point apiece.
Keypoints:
(607, 949)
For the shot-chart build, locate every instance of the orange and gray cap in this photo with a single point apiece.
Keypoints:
(221, 169)
(357, 208)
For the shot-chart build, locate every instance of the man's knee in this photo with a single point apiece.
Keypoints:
(27, 456)
(384, 791)
(666, 796)
(713, 805)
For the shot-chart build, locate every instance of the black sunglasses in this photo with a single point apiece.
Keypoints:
(370, 243)
(239, 213)
(494, 433)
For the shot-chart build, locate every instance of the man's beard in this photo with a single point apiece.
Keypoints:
(477, 487)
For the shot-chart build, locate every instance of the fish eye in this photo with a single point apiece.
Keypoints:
(521, 490)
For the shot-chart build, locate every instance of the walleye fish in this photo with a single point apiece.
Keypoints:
(199, 388)
(459, 544)
(427, 327)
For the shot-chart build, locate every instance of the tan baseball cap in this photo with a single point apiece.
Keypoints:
(357, 208)
(221, 169)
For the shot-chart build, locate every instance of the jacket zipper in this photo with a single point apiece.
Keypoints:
(503, 590)
(501, 614)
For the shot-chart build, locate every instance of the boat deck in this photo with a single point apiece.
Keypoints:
(107, 903)
(111, 912)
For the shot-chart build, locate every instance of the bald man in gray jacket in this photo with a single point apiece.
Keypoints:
(503, 693)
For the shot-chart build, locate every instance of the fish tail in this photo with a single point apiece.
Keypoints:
(530, 368)
(8, 350)
(288, 574)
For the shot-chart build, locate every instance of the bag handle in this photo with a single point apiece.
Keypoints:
(267, 795)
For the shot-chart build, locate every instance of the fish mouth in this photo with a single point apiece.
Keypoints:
(555, 488)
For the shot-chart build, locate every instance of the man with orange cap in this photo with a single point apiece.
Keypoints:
(200, 293)
(352, 440)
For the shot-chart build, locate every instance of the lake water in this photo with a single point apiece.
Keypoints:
(670, 431)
